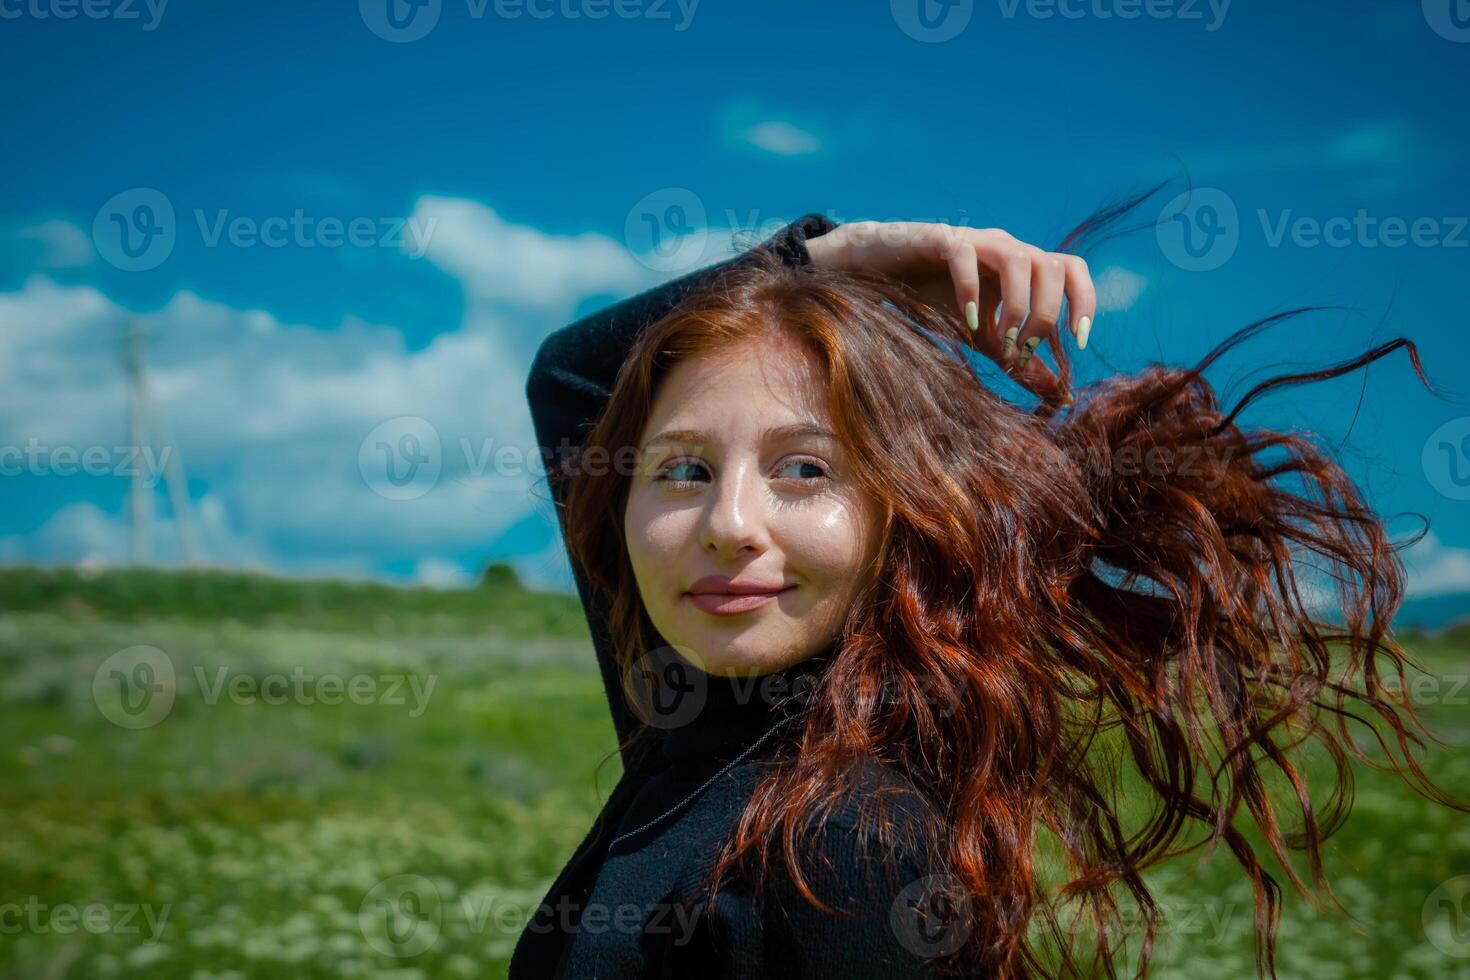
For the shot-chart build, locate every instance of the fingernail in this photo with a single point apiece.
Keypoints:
(972, 315)
(1008, 345)
(1027, 349)
(1084, 327)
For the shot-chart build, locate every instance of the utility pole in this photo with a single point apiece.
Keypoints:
(143, 415)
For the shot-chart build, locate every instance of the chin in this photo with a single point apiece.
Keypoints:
(726, 657)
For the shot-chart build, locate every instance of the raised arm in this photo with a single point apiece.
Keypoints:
(570, 382)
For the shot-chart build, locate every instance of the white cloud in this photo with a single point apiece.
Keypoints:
(272, 417)
(1435, 568)
(521, 266)
(439, 573)
(82, 532)
(226, 378)
(77, 532)
(516, 276)
(1118, 289)
(781, 138)
(57, 244)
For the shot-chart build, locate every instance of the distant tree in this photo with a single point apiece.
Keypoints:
(499, 575)
(1457, 631)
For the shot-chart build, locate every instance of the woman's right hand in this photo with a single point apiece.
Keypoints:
(974, 270)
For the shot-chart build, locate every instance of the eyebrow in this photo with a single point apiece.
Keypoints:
(775, 432)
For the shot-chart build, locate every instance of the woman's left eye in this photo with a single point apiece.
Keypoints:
(811, 464)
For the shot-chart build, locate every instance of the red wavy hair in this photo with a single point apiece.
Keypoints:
(1058, 595)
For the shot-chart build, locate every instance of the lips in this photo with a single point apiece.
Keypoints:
(725, 596)
(725, 585)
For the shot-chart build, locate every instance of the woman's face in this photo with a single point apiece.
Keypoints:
(742, 480)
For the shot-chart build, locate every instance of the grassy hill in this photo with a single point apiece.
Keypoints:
(268, 822)
(137, 594)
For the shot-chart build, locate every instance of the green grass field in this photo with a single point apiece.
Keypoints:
(323, 740)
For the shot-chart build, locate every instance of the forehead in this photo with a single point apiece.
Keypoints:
(767, 380)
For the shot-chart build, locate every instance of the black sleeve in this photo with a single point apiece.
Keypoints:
(571, 380)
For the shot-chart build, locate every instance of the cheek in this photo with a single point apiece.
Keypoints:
(654, 536)
(830, 540)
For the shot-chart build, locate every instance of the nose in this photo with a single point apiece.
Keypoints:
(735, 514)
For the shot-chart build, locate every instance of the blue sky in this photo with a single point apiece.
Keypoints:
(497, 161)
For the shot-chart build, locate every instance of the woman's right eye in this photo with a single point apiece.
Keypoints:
(668, 473)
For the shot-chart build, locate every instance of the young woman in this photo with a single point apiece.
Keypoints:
(878, 642)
